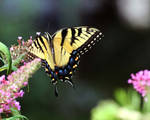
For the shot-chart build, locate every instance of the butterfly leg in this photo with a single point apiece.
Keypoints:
(56, 91)
(54, 82)
(68, 80)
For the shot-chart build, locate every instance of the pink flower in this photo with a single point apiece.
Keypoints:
(10, 88)
(19, 37)
(2, 78)
(23, 43)
(1, 110)
(25, 83)
(11, 49)
(141, 82)
(17, 105)
(20, 50)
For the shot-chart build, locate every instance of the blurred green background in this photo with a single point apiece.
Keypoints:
(125, 49)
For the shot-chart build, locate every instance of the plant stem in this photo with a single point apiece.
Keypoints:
(141, 104)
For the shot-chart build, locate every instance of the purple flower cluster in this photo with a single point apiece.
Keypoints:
(141, 82)
(8, 96)
(10, 88)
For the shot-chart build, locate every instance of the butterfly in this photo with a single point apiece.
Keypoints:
(60, 53)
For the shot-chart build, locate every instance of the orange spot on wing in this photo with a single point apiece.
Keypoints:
(76, 58)
(56, 72)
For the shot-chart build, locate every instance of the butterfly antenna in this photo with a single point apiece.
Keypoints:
(35, 27)
(48, 27)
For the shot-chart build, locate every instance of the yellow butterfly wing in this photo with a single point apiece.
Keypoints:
(66, 40)
(41, 49)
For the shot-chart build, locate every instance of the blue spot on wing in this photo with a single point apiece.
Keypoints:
(65, 71)
(69, 67)
(61, 73)
(71, 61)
(74, 52)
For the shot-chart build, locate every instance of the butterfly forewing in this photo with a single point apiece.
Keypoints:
(41, 49)
(35, 49)
(65, 41)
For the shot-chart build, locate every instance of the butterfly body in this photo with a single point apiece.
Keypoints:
(60, 53)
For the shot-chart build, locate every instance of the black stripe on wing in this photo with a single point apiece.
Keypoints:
(35, 44)
(63, 35)
(90, 42)
(73, 35)
(40, 38)
(79, 31)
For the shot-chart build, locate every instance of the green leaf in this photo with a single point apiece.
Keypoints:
(129, 98)
(135, 99)
(4, 67)
(146, 105)
(14, 64)
(121, 97)
(15, 112)
(105, 110)
(18, 60)
(5, 56)
(17, 117)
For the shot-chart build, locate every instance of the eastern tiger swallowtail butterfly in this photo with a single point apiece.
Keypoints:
(60, 53)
